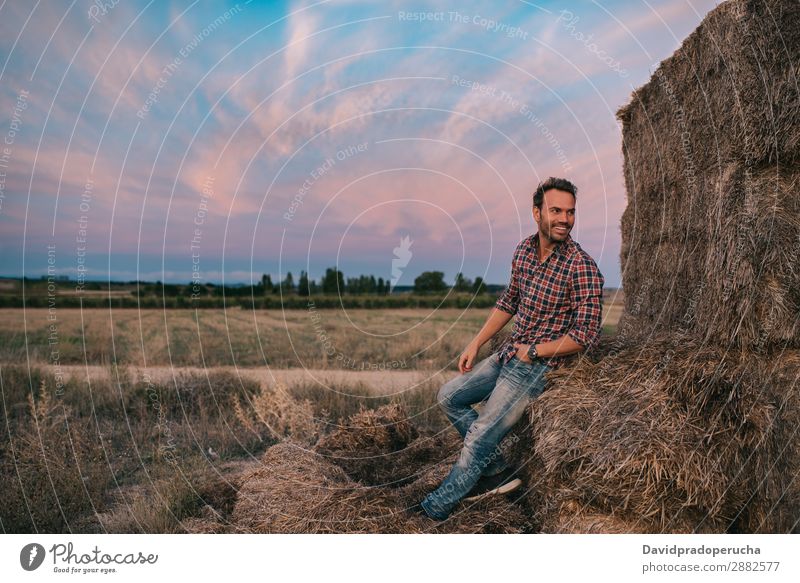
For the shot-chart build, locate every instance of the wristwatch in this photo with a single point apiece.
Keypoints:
(532, 354)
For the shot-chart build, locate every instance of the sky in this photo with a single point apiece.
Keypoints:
(216, 141)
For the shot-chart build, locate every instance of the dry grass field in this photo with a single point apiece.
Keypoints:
(147, 420)
(317, 339)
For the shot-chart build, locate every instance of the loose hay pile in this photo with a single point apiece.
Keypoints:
(335, 488)
(375, 447)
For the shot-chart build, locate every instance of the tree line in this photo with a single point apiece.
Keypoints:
(333, 282)
(333, 290)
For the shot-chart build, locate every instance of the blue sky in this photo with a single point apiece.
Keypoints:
(148, 140)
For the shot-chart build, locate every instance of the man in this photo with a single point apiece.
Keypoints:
(555, 292)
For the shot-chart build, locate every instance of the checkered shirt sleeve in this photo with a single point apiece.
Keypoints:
(587, 296)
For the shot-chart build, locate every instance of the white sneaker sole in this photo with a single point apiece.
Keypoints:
(504, 489)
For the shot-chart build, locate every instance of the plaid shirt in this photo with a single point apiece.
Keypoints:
(561, 295)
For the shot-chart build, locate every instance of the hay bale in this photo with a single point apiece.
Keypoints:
(711, 233)
(683, 436)
(729, 93)
(735, 282)
(751, 294)
(654, 302)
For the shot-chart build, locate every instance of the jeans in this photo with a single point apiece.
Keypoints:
(507, 389)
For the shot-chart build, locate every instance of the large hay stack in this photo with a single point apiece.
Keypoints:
(690, 421)
(711, 234)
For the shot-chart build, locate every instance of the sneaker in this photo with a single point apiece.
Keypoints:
(502, 483)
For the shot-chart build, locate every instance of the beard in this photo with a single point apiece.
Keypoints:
(556, 236)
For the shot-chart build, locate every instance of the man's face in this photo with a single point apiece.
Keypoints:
(557, 216)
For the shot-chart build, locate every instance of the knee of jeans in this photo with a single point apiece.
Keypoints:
(478, 449)
(445, 395)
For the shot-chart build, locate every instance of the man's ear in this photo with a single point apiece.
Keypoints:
(537, 214)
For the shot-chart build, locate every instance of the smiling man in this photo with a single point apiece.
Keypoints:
(555, 292)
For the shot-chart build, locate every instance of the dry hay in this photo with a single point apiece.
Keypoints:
(210, 521)
(573, 517)
(670, 437)
(734, 280)
(711, 233)
(699, 430)
(298, 490)
(728, 94)
(680, 436)
(373, 446)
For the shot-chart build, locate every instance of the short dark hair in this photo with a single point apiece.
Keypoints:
(551, 184)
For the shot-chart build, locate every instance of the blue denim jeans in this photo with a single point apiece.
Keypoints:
(507, 389)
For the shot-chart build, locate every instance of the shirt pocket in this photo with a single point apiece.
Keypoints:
(548, 292)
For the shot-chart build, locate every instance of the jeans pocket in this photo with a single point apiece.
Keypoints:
(520, 368)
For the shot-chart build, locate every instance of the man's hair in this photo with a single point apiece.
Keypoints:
(550, 184)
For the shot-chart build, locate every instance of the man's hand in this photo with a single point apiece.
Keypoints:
(522, 352)
(468, 357)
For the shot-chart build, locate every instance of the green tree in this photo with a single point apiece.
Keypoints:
(478, 287)
(287, 285)
(266, 283)
(430, 282)
(302, 284)
(462, 284)
(333, 281)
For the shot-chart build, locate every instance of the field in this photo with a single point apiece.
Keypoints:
(144, 421)
(361, 339)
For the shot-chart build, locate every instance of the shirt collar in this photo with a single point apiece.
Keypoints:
(563, 249)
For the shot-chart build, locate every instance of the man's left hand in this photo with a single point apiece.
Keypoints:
(522, 352)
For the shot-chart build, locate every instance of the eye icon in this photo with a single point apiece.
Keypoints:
(31, 556)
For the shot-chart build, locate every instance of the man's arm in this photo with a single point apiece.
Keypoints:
(494, 323)
(559, 347)
(504, 310)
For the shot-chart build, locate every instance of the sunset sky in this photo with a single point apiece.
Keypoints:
(261, 137)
